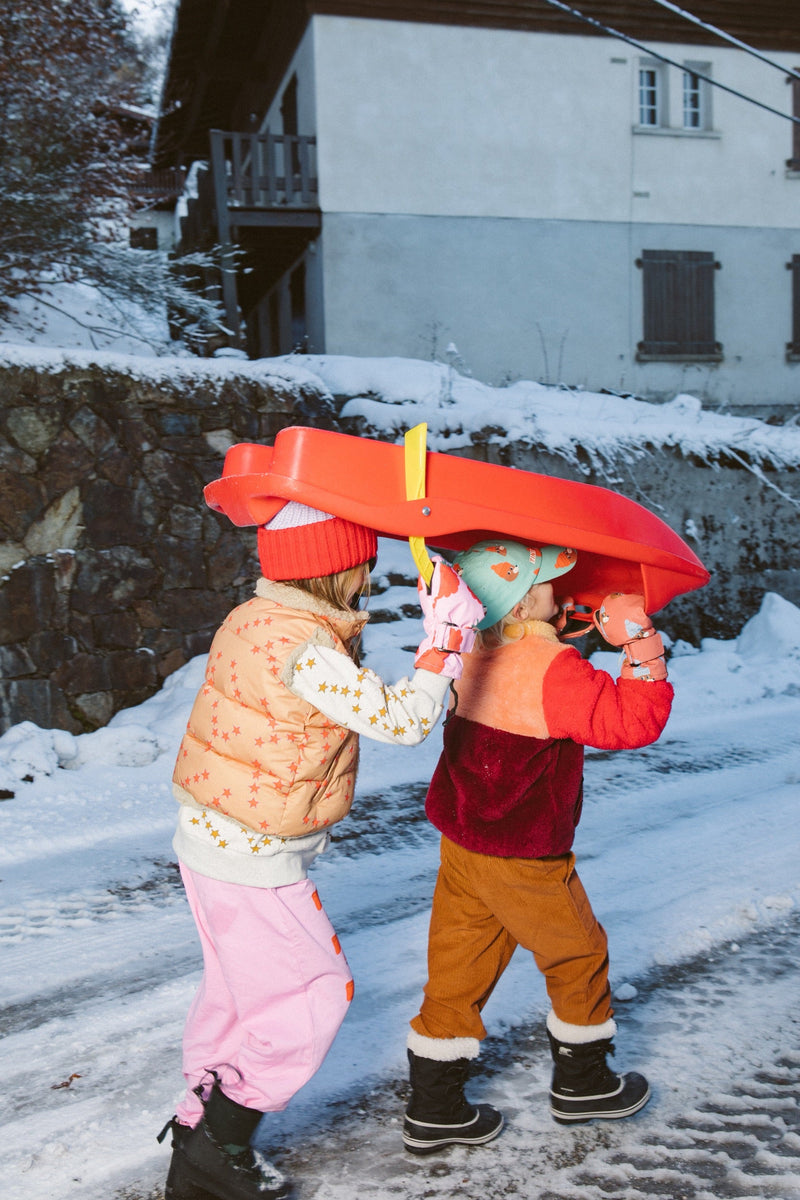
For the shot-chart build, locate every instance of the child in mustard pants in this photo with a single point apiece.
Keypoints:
(506, 796)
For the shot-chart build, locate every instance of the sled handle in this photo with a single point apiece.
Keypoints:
(415, 454)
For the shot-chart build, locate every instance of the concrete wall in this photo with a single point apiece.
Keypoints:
(556, 301)
(460, 121)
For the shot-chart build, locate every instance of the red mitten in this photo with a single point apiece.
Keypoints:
(450, 613)
(622, 621)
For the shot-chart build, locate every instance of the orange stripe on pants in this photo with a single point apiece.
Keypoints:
(483, 908)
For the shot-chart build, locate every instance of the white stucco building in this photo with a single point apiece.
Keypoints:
(551, 200)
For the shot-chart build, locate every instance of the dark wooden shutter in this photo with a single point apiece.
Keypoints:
(678, 304)
(793, 163)
(793, 347)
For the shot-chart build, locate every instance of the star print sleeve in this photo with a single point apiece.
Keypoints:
(357, 698)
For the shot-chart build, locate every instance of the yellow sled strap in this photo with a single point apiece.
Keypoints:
(415, 455)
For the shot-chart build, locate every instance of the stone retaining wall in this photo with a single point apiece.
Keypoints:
(113, 573)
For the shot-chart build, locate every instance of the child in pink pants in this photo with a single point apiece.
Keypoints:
(267, 765)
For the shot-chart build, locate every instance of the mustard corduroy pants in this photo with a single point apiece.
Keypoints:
(483, 908)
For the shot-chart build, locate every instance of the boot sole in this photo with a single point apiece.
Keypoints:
(420, 1146)
(599, 1114)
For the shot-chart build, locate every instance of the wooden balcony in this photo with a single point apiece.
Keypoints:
(156, 186)
(264, 180)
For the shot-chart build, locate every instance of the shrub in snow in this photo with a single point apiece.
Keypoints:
(774, 632)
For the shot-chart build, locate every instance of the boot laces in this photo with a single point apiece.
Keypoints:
(455, 1081)
(598, 1071)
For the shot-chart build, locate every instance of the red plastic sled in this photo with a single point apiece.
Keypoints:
(623, 546)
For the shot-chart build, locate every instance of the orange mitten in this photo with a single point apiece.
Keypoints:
(622, 621)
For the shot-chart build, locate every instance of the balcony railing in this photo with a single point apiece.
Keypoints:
(264, 172)
(158, 185)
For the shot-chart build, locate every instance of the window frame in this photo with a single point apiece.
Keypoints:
(702, 90)
(660, 106)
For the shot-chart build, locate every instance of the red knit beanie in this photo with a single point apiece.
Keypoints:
(301, 542)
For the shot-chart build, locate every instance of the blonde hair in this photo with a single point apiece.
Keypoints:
(508, 629)
(342, 591)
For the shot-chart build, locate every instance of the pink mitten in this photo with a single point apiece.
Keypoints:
(622, 621)
(450, 613)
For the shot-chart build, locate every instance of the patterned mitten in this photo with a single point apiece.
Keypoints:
(450, 613)
(622, 621)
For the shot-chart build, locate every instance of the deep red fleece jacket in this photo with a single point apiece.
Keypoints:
(509, 780)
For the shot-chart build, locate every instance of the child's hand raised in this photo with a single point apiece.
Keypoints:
(450, 613)
(622, 621)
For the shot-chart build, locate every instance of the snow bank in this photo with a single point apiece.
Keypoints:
(386, 396)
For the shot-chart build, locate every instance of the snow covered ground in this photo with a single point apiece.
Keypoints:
(688, 849)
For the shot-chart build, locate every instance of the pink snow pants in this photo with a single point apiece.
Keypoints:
(274, 992)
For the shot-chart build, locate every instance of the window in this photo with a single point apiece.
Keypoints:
(652, 94)
(793, 347)
(696, 96)
(680, 107)
(678, 305)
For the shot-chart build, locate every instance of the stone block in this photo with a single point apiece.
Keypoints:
(95, 708)
(186, 522)
(59, 527)
(107, 581)
(171, 479)
(114, 515)
(117, 630)
(33, 429)
(27, 600)
(17, 661)
(132, 670)
(22, 500)
(181, 561)
(84, 673)
(67, 465)
(191, 609)
(49, 648)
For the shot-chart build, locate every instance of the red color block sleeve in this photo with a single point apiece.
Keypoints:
(590, 707)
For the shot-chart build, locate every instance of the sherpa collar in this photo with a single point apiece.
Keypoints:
(345, 624)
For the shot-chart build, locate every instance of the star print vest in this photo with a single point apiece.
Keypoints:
(255, 751)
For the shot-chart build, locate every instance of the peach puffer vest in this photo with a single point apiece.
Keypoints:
(253, 750)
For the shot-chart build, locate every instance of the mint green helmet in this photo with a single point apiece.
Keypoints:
(501, 572)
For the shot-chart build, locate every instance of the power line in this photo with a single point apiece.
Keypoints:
(623, 37)
(728, 37)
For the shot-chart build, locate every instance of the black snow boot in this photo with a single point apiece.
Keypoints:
(585, 1088)
(438, 1113)
(214, 1161)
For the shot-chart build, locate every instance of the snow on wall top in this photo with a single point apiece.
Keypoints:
(390, 395)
